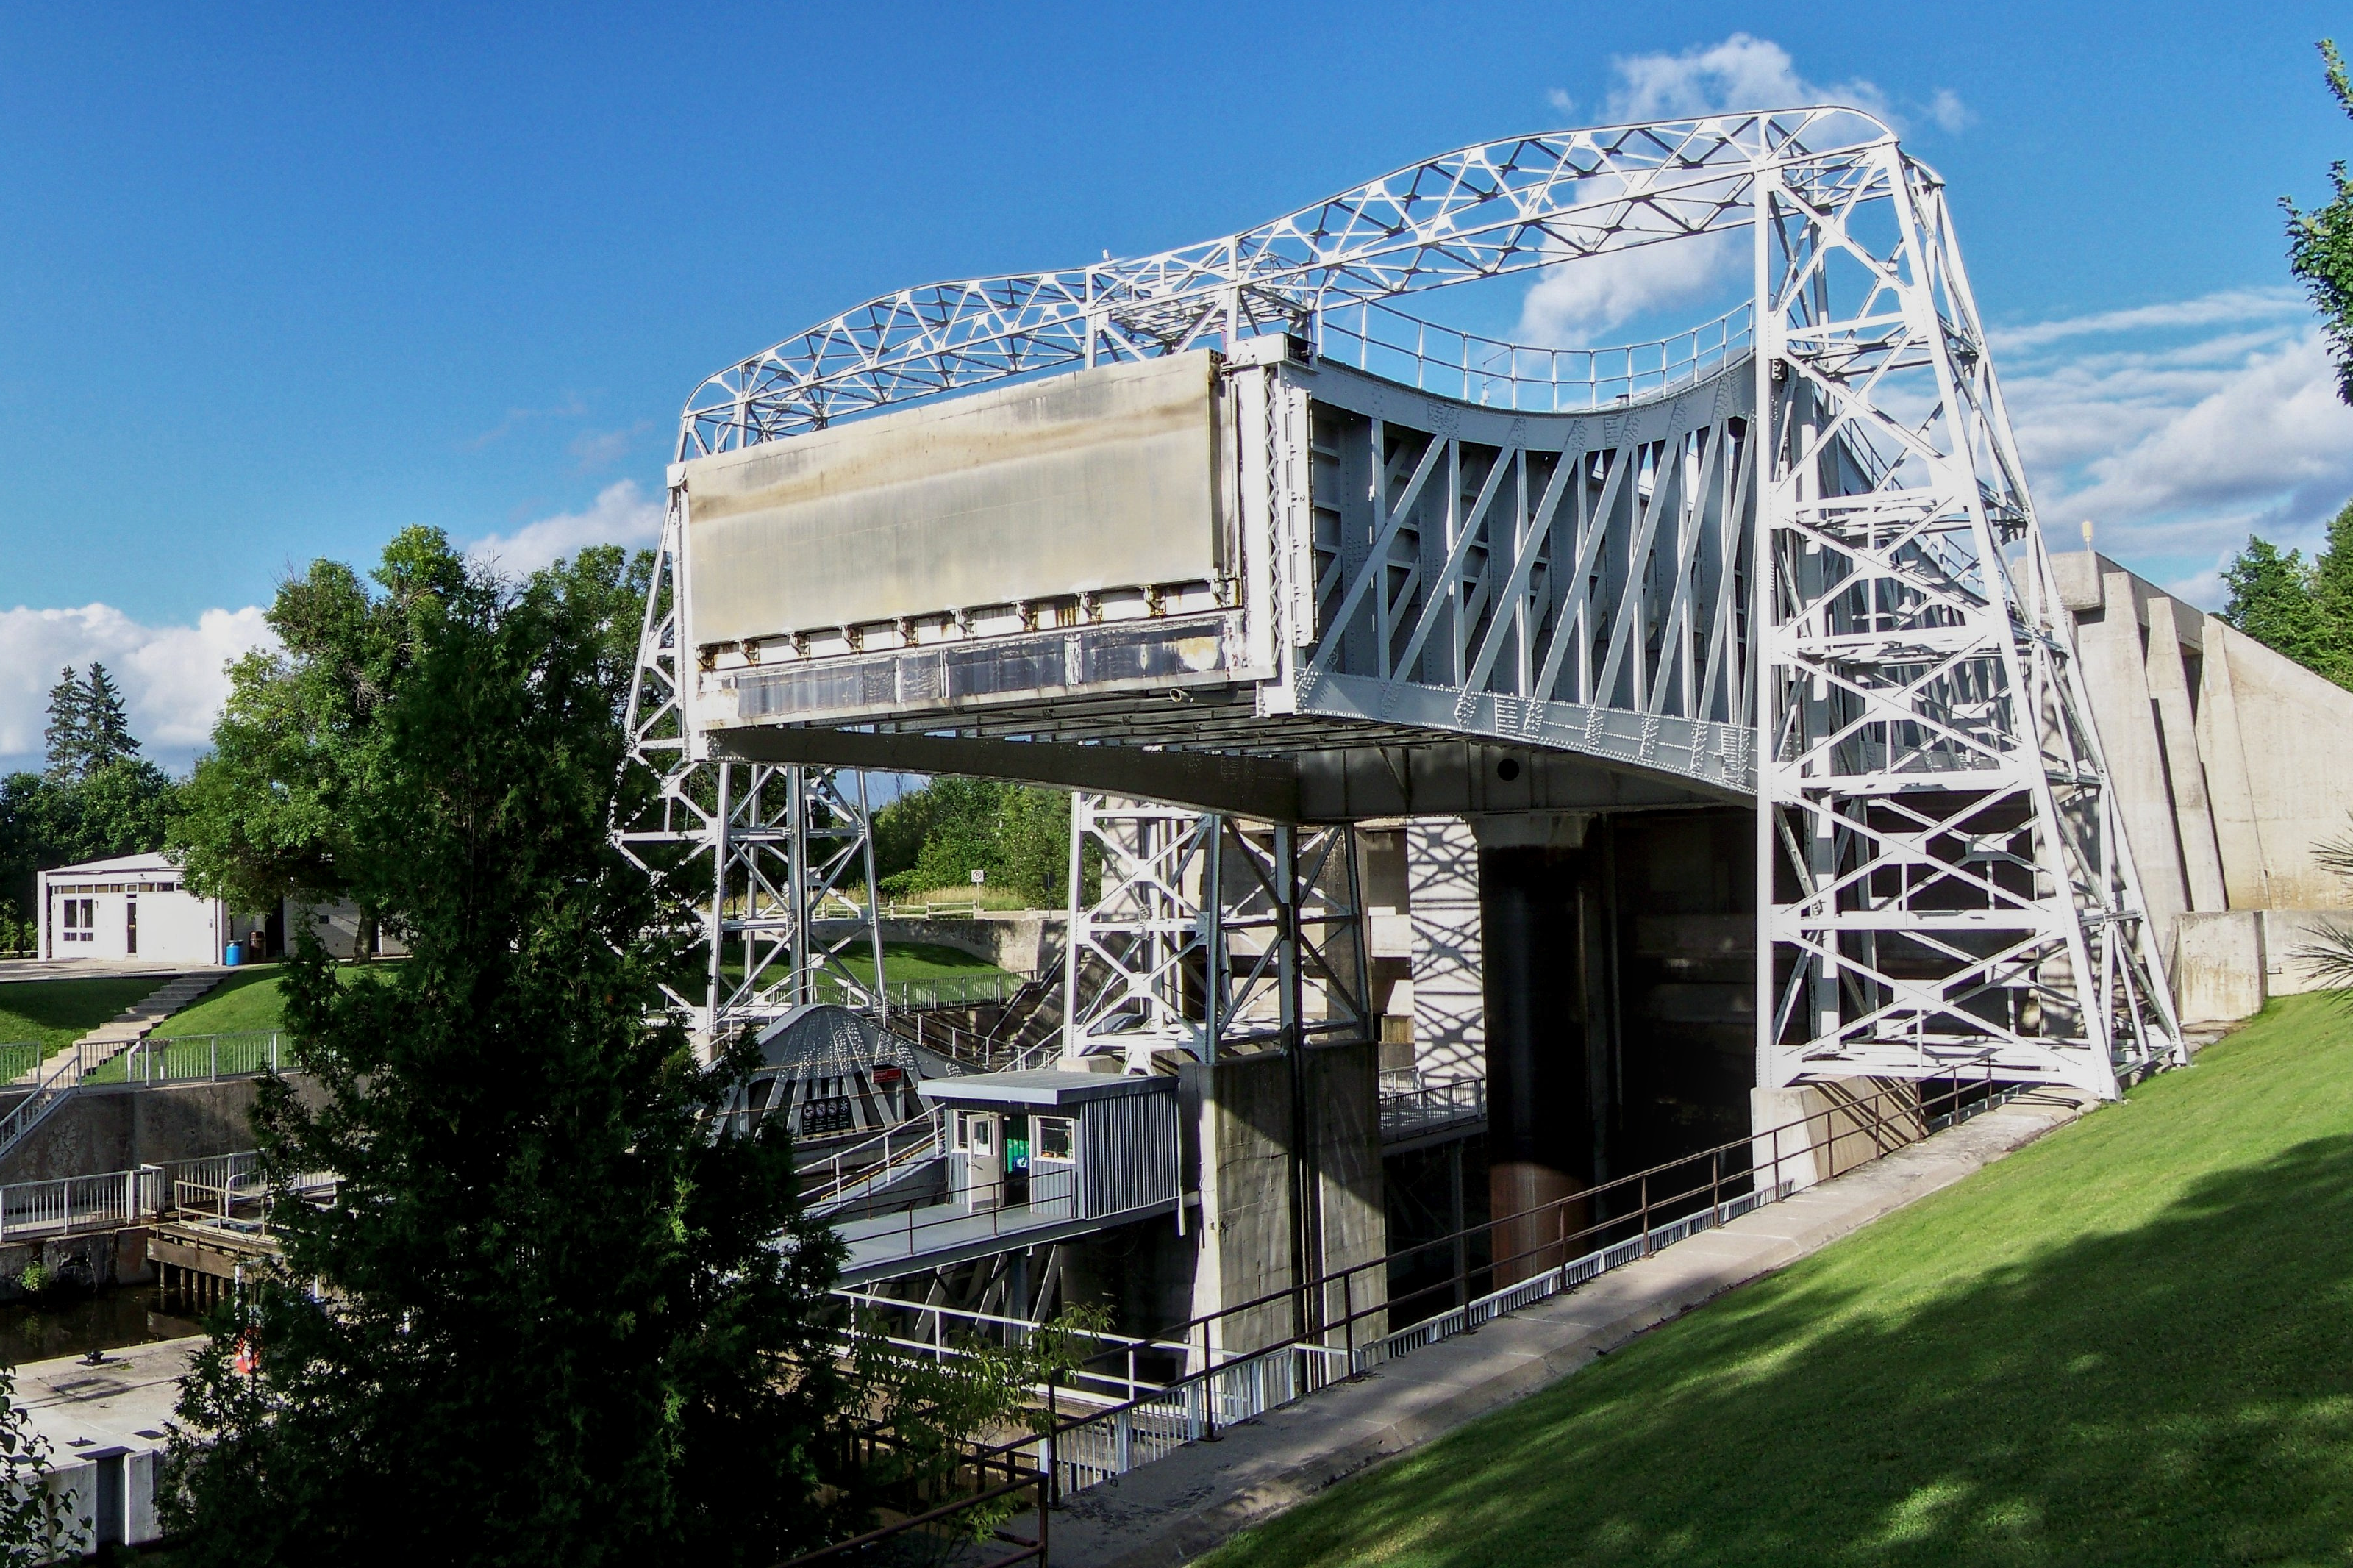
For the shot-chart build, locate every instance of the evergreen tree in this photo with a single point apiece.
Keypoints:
(547, 1318)
(66, 737)
(2320, 242)
(106, 728)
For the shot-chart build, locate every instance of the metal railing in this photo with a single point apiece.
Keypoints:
(932, 991)
(1431, 1105)
(200, 1059)
(924, 1327)
(112, 1199)
(1386, 342)
(856, 1171)
(1535, 1254)
(72, 1204)
(1531, 1255)
(1053, 1198)
(240, 1203)
(59, 1077)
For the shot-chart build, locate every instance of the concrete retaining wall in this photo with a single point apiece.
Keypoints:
(1025, 941)
(89, 1261)
(2232, 763)
(120, 1128)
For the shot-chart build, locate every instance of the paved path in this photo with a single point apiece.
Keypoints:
(1173, 1510)
(97, 968)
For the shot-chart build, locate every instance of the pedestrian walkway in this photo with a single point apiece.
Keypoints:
(1173, 1510)
(98, 968)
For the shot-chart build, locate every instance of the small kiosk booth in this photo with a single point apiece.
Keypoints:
(1066, 1146)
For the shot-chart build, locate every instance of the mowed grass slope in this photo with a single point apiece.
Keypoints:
(246, 998)
(58, 1012)
(2131, 1342)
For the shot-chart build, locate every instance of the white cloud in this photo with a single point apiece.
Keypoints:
(172, 677)
(2204, 420)
(1741, 72)
(1946, 111)
(1572, 302)
(2230, 305)
(622, 515)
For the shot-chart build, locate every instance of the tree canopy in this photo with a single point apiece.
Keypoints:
(88, 729)
(97, 797)
(269, 813)
(2320, 242)
(936, 836)
(2302, 609)
(547, 1317)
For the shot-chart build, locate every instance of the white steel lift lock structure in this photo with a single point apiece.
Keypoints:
(1226, 528)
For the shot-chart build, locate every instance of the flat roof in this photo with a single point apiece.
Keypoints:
(1044, 1086)
(152, 862)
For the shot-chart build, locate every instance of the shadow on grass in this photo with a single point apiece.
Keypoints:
(2179, 1391)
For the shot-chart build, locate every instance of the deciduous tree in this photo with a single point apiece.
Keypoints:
(2320, 242)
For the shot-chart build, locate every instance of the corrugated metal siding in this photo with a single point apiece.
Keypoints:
(1127, 1153)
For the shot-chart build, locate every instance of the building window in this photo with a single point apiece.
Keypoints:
(1054, 1137)
(80, 918)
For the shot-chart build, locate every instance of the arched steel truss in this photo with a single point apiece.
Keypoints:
(1942, 877)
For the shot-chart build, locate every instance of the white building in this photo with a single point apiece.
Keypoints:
(138, 906)
(134, 906)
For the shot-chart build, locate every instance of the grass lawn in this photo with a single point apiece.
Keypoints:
(59, 1012)
(2131, 1342)
(910, 961)
(923, 960)
(248, 999)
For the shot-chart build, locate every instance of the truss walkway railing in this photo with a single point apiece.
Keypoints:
(1423, 1108)
(1344, 1321)
(865, 1168)
(111, 1200)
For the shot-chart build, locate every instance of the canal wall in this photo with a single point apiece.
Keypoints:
(119, 1127)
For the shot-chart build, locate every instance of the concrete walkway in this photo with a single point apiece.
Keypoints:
(98, 968)
(1173, 1510)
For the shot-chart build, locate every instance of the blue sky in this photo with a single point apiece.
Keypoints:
(278, 282)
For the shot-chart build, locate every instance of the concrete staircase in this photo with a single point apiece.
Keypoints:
(54, 1081)
(117, 1035)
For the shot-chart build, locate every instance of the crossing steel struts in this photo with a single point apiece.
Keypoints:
(1788, 556)
(1942, 873)
(776, 859)
(1209, 936)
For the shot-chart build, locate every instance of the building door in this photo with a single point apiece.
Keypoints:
(1016, 1161)
(130, 924)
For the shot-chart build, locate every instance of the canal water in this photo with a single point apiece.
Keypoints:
(106, 1321)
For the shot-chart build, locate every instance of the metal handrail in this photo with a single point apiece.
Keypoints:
(1311, 1298)
(1493, 373)
(1433, 1103)
(927, 1140)
(203, 1058)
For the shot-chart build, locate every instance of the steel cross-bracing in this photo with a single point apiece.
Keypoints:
(1940, 856)
(1788, 556)
(1207, 936)
(775, 860)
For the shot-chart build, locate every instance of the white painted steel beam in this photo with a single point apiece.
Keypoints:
(1788, 556)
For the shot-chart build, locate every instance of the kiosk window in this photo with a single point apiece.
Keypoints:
(1053, 1138)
